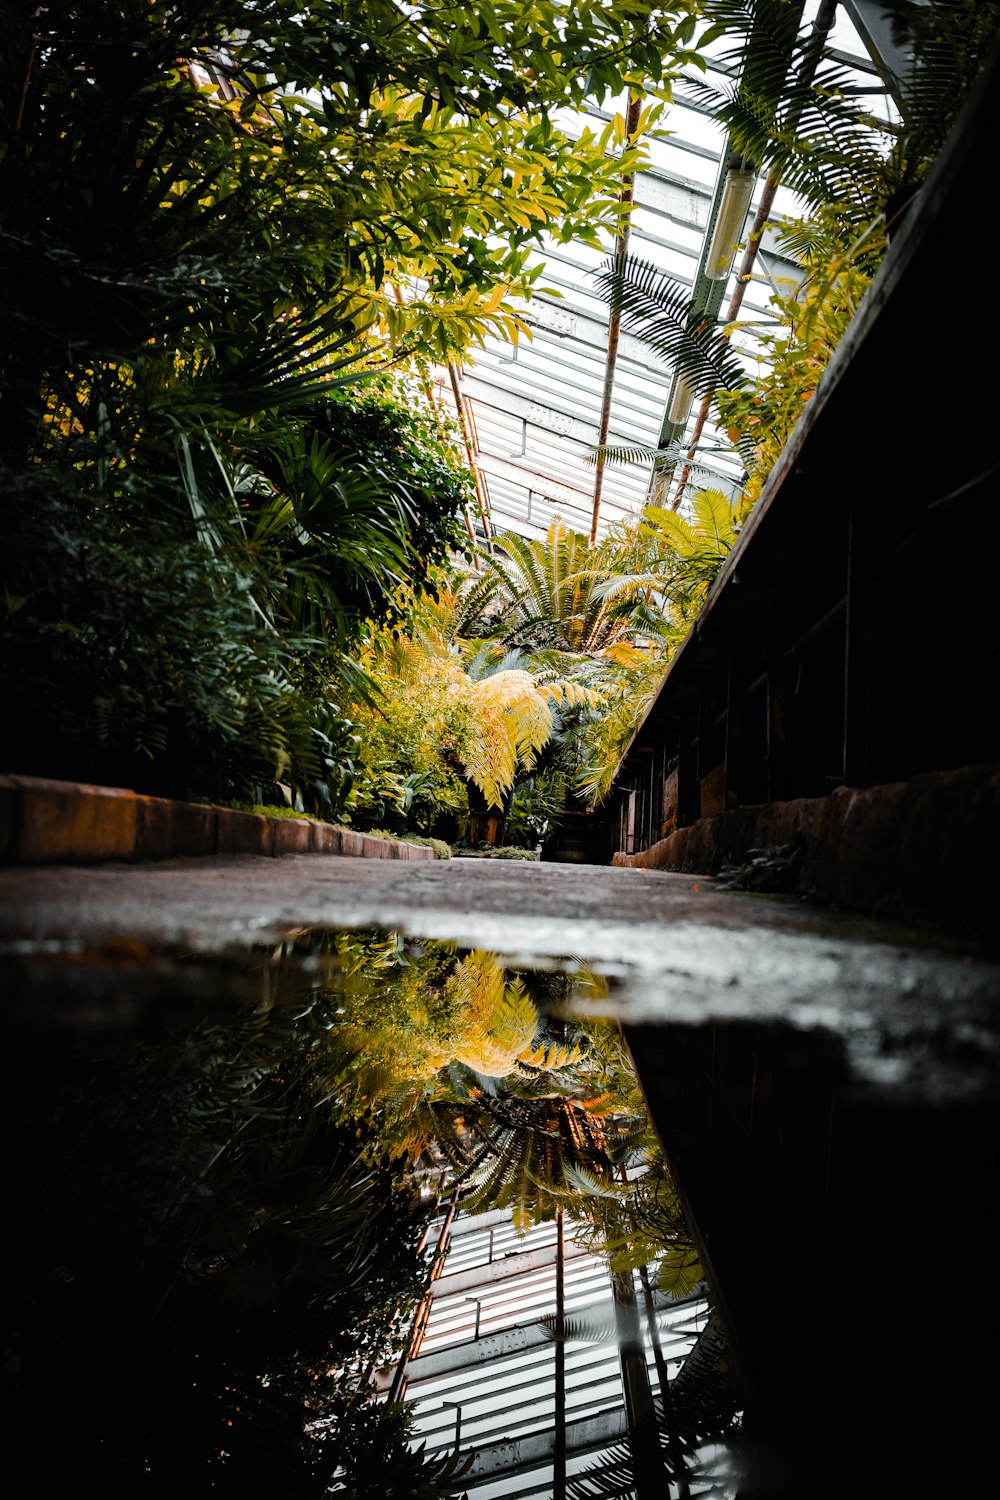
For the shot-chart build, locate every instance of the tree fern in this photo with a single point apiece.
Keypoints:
(515, 722)
(540, 595)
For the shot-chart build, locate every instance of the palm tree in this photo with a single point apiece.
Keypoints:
(539, 596)
(797, 114)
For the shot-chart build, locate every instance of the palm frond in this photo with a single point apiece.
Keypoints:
(596, 1325)
(657, 310)
(611, 1478)
(705, 1391)
(698, 1412)
(791, 111)
(587, 1183)
(267, 364)
(633, 453)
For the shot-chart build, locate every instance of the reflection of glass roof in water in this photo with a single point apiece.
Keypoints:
(484, 1379)
(252, 1157)
(536, 407)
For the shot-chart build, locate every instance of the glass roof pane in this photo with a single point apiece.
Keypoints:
(536, 406)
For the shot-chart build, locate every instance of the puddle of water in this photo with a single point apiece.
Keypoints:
(256, 1202)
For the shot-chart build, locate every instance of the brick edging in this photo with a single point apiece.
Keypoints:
(44, 822)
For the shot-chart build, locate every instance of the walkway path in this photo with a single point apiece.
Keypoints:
(677, 948)
(826, 1088)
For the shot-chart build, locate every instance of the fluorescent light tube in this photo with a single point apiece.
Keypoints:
(681, 401)
(728, 229)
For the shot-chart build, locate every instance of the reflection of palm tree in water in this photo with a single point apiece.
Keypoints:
(522, 1114)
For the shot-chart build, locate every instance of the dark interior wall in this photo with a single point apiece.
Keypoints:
(850, 1235)
(851, 638)
(850, 1225)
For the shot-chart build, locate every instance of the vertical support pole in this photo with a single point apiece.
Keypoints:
(734, 710)
(777, 732)
(479, 1313)
(640, 1415)
(614, 322)
(435, 405)
(470, 453)
(559, 1444)
(679, 1475)
(688, 805)
(458, 1421)
(858, 645)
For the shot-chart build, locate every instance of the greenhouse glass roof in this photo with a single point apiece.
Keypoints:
(535, 408)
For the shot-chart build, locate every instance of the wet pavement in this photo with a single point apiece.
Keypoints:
(824, 1085)
(914, 1007)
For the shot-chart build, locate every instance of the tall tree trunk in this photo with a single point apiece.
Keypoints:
(487, 822)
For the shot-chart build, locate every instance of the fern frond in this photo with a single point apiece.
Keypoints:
(679, 1272)
(550, 1057)
(585, 1181)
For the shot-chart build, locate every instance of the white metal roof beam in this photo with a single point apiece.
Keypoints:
(586, 1436)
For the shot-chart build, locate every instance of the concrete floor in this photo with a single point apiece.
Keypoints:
(826, 1088)
(676, 948)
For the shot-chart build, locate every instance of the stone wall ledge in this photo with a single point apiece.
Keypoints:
(71, 822)
(927, 848)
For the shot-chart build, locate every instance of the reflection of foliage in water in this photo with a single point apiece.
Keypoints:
(469, 1066)
(218, 1195)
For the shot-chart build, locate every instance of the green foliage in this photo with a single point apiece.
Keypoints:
(184, 631)
(536, 807)
(498, 851)
(534, 1149)
(552, 619)
(699, 1410)
(776, 867)
(215, 215)
(666, 560)
(629, 690)
(560, 606)
(302, 149)
(446, 721)
(275, 810)
(217, 1229)
(441, 849)
(133, 647)
(414, 734)
(657, 309)
(812, 318)
(375, 1461)
(539, 596)
(389, 423)
(808, 125)
(811, 130)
